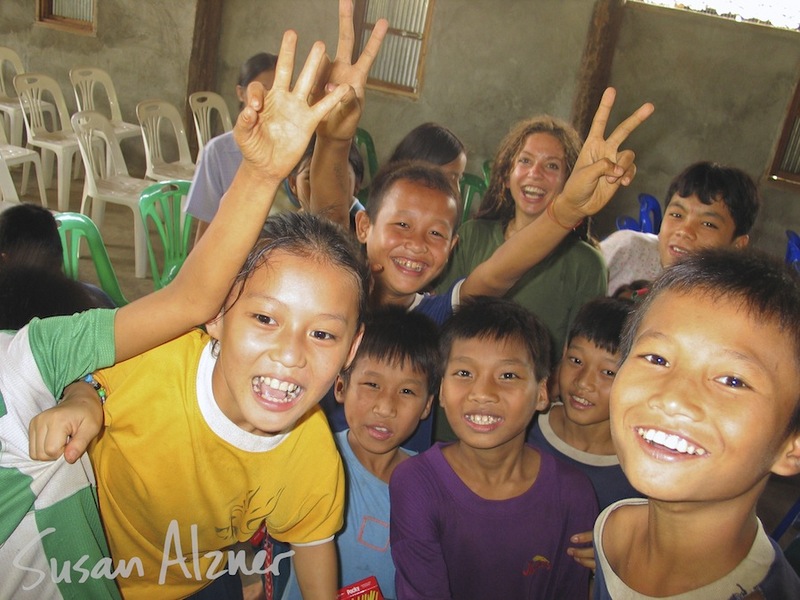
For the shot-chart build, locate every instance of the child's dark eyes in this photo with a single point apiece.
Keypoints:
(655, 359)
(710, 225)
(461, 373)
(733, 382)
(264, 319)
(508, 376)
(322, 335)
(609, 373)
(408, 392)
(575, 360)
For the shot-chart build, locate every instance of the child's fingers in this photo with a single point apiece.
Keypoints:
(285, 65)
(585, 537)
(600, 120)
(77, 445)
(373, 45)
(308, 75)
(624, 129)
(327, 104)
(344, 49)
(44, 443)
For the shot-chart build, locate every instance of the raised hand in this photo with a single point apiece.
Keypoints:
(275, 126)
(601, 167)
(342, 121)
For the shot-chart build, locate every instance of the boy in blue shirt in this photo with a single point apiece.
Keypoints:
(386, 391)
(704, 408)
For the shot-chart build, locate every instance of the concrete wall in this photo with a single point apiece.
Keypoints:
(721, 88)
(721, 91)
(144, 48)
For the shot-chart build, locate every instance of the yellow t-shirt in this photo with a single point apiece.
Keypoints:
(177, 478)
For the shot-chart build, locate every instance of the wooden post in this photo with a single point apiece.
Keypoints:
(598, 56)
(203, 60)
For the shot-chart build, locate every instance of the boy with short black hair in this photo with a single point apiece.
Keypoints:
(488, 516)
(386, 391)
(577, 429)
(708, 205)
(704, 408)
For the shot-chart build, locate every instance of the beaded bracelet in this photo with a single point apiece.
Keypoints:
(551, 213)
(101, 391)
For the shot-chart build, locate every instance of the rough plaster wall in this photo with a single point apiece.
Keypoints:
(721, 91)
(491, 63)
(145, 48)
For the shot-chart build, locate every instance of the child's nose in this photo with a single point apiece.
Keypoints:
(288, 348)
(679, 396)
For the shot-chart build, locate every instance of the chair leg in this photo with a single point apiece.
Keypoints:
(37, 165)
(139, 246)
(98, 212)
(64, 176)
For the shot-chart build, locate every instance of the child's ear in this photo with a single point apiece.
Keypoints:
(453, 243)
(427, 410)
(741, 241)
(542, 399)
(338, 389)
(788, 461)
(362, 226)
(214, 327)
(354, 346)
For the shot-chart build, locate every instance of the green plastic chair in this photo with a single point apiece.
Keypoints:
(487, 171)
(71, 228)
(367, 147)
(160, 204)
(471, 187)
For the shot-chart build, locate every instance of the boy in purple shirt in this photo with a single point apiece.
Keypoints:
(489, 516)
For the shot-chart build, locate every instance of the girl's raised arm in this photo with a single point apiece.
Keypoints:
(272, 131)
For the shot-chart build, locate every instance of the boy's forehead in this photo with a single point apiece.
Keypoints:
(588, 345)
(408, 195)
(387, 364)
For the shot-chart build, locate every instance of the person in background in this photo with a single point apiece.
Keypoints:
(29, 238)
(530, 169)
(221, 156)
(435, 144)
(708, 206)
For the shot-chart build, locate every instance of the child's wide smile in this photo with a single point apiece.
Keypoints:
(697, 402)
(282, 342)
(278, 394)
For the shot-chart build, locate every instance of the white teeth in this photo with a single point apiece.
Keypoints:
(581, 401)
(532, 190)
(671, 441)
(483, 419)
(409, 264)
(261, 384)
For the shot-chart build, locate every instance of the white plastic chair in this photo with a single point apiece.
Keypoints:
(8, 193)
(16, 155)
(204, 105)
(85, 81)
(107, 178)
(61, 142)
(152, 114)
(9, 103)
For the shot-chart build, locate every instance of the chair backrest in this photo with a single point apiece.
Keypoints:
(793, 249)
(161, 205)
(9, 58)
(626, 222)
(32, 89)
(471, 187)
(99, 146)
(649, 213)
(152, 114)
(204, 105)
(84, 82)
(72, 227)
(367, 148)
(487, 172)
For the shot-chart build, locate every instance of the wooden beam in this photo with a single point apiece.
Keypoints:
(203, 60)
(598, 56)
